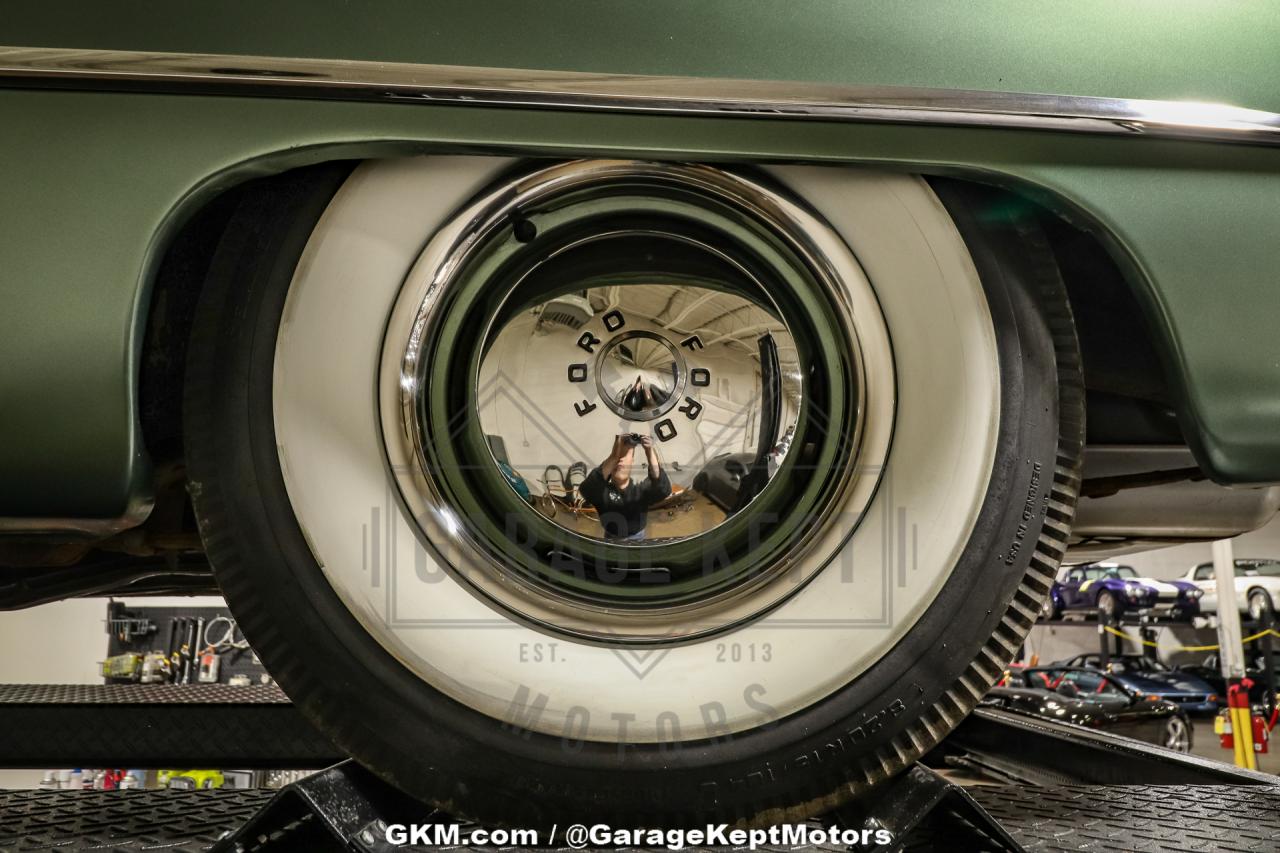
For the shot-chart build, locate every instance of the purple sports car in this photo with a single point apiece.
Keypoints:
(1114, 590)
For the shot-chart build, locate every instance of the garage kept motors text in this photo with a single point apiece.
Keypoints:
(579, 836)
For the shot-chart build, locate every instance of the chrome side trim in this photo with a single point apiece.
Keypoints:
(27, 67)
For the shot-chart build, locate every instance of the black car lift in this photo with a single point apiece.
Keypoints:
(1057, 786)
(1109, 627)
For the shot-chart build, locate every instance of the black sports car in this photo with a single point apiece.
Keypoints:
(1091, 698)
(1210, 672)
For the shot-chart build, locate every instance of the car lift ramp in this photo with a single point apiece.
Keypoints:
(1056, 786)
(156, 725)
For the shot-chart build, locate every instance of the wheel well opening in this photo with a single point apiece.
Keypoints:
(170, 313)
(1129, 399)
(1129, 396)
(178, 284)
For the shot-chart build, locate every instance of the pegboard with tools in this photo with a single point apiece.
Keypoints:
(177, 645)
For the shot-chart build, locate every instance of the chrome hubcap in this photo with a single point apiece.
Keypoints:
(623, 399)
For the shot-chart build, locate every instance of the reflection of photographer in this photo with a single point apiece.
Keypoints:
(621, 504)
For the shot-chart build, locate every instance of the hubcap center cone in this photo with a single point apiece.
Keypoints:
(639, 375)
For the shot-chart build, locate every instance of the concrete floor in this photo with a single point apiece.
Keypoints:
(1205, 744)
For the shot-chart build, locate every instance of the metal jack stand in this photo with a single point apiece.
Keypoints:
(906, 802)
(343, 808)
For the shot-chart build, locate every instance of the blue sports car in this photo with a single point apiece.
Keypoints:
(1149, 677)
(1113, 590)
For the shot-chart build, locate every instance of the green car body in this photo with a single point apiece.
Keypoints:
(94, 184)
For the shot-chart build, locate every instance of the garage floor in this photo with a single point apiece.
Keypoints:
(1205, 744)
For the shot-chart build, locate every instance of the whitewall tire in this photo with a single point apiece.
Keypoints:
(900, 613)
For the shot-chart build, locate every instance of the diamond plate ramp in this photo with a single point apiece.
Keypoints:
(174, 821)
(1122, 818)
(156, 725)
